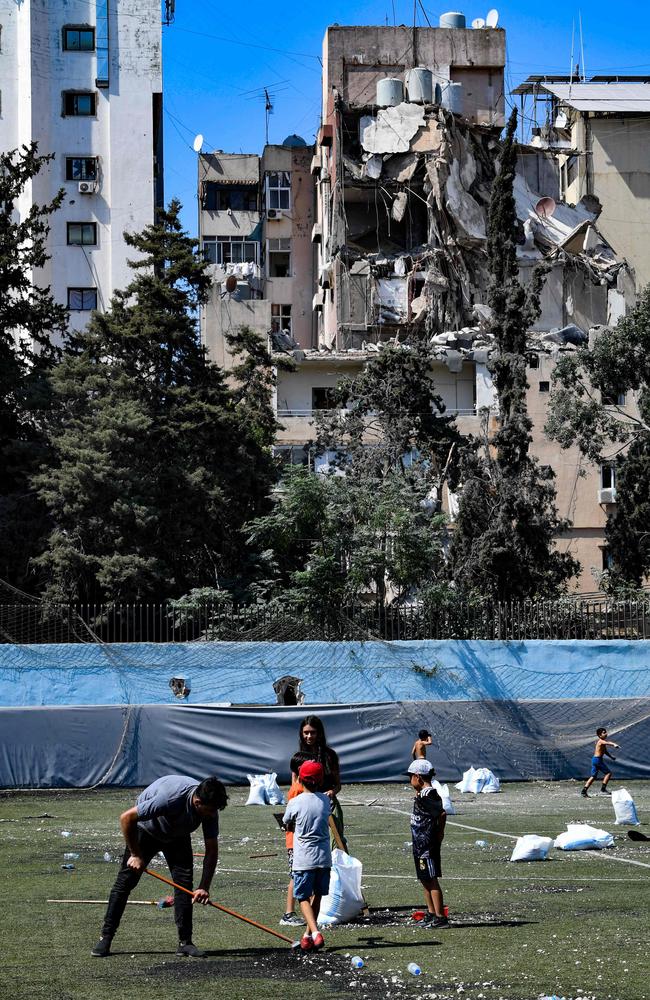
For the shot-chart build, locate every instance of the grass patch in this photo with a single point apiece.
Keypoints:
(574, 926)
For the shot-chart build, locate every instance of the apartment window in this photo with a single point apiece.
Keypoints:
(278, 257)
(544, 386)
(80, 168)
(77, 102)
(224, 250)
(533, 360)
(278, 189)
(613, 398)
(82, 299)
(229, 197)
(608, 476)
(571, 169)
(282, 316)
(78, 38)
(606, 559)
(322, 398)
(82, 234)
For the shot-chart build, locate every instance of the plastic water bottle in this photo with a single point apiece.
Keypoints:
(108, 857)
(68, 868)
(357, 962)
(66, 833)
(481, 843)
(414, 969)
(70, 856)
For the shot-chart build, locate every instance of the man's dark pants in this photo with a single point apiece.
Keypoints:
(178, 855)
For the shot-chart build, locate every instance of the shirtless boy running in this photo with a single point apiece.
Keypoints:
(598, 762)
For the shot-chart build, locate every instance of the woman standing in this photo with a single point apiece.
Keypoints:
(313, 746)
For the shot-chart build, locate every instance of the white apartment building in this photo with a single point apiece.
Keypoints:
(83, 78)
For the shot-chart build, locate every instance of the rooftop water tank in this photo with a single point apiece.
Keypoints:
(453, 19)
(419, 85)
(390, 92)
(452, 97)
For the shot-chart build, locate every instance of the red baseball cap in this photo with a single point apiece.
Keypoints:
(311, 770)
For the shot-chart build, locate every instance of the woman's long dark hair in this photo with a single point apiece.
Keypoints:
(315, 723)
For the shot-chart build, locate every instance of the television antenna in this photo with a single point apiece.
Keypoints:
(170, 11)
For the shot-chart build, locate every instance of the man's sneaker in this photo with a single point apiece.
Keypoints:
(318, 941)
(190, 950)
(438, 922)
(306, 942)
(103, 948)
(605, 791)
(427, 919)
(291, 920)
(584, 793)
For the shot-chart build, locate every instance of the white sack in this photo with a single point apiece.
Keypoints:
(257, 794)
(344, 901)
(583, 837)
(532, 848)
(443, 792)
(624, 808)
(478, 779)
(274, 794)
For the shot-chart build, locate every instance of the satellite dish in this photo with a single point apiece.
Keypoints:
(478, 22)
(198, 143)
(492, 18)
(231, 283)
(545, 207)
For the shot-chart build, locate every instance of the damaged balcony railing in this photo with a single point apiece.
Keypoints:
(40, 622)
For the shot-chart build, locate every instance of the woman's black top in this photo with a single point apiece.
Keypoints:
(323, 755)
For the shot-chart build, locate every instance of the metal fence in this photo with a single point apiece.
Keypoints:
(118, 623)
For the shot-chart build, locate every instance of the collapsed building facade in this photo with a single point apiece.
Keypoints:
(403, 170)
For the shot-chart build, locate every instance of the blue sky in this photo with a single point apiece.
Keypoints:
(219, 56)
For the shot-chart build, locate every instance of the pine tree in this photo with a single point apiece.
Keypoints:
(158, 463)
(30, 324)
(504, 542)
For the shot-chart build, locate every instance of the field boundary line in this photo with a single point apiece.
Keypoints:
(449, 878)
(512, 836)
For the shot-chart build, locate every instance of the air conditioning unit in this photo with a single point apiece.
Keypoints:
(607, 495)
(87, 187)
(274, 213)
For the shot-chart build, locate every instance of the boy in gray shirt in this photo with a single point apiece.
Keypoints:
(309, 815)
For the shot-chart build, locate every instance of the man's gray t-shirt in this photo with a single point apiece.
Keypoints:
(311, 842)
(166, 812)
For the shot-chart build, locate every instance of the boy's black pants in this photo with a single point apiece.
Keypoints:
(178, 855)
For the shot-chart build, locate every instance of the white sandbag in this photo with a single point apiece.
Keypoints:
(583, 837)
(257, 794)
(478, 779)
(274, 794)
(624, 808)
(344, 901)
(532, 848)
(443, 792)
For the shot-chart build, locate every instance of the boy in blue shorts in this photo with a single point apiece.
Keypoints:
(598, 765)
(308, 815)
(427, 830)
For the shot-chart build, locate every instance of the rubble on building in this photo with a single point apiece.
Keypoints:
(409, 233)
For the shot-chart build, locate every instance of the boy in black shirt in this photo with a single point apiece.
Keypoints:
(427, 830)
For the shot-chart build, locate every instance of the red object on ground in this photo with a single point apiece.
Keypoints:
(418, 914)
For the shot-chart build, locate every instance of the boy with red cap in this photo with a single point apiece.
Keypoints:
(308, 815)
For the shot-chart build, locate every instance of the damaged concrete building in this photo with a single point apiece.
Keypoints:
(403, 170)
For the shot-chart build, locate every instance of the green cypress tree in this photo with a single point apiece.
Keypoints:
(504, 542)
(158, 465)
(30, 324)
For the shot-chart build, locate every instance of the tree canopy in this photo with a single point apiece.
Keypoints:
(159, 461)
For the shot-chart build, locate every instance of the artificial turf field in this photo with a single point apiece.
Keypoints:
(574, 926)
